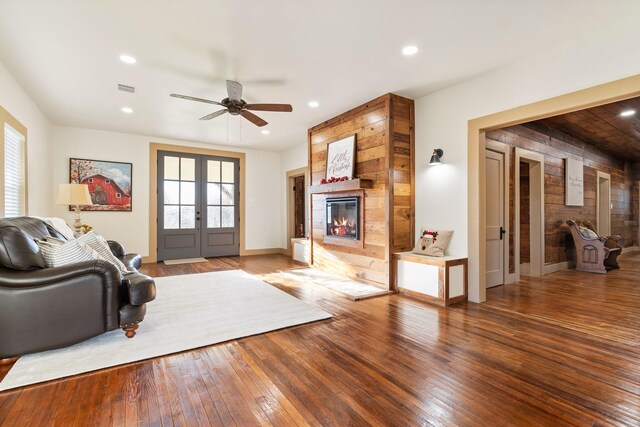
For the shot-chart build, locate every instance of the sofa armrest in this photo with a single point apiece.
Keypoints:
(116, 248)
(49, 279)
(139, 288)
(48, 276)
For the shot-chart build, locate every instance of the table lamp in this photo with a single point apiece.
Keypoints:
(75, 195)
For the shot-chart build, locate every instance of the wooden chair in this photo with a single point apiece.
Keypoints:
(591, 249)
(612, 242)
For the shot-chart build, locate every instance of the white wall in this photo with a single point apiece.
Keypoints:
(263, 185)
(293, 158)
(441, 118)
(16, 101)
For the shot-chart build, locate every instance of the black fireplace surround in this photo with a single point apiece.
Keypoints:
(343, 217)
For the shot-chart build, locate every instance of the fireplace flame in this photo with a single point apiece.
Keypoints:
(343, 222)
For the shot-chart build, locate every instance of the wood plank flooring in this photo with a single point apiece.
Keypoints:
(558, 350)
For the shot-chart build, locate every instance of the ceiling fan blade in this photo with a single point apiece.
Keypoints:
(253, 118)
(284, 108)
(213, 115)
(192, 98)
(234, 89)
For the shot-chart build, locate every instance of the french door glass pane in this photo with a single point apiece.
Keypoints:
(187, 217)
(227, 171)
(227, 216)
(213, 216)
(213, 171)
(187, 169)
(227, 194)
(171, 193)
(171, 217)
(171, 167)
(187, 193)
(213, 194)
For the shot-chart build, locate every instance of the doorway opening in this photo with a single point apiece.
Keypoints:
(198, 206)
(615, 91)
(297, 205)
(603, 203)
(529, 208)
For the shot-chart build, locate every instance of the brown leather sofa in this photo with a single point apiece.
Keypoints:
(46, 308)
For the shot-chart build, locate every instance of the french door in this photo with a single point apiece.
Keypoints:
(198, 206)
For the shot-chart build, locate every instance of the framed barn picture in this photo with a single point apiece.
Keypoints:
(341, 157)
(109, 183)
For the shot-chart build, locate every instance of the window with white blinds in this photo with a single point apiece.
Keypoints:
(14, 172)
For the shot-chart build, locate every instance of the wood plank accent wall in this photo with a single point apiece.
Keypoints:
(557, 146)
(384, 129)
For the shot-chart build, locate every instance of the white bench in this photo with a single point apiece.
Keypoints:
(301, 250)
(437, 280)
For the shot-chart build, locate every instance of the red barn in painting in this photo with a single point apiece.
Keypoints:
(104, 191)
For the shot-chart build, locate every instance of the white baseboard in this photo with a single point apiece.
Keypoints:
(525, 268)
(630, 249)
(552, 268)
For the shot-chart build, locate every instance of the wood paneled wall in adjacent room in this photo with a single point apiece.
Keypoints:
(556, 146)
(384, 129)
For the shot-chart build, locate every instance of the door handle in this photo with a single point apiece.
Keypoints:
(502, 232)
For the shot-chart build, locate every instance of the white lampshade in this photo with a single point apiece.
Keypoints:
(74, 194)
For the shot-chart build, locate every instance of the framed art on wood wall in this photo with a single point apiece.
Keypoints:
(109, 183)
(574, 182)
(341, 158)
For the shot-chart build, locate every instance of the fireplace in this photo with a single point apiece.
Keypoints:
(343, 217)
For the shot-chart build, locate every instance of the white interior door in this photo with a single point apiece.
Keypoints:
(604, 204)
(495, 230)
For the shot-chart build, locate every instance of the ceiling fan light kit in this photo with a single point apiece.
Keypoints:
(236, 106)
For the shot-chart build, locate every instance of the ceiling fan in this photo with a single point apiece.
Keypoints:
(235, 105)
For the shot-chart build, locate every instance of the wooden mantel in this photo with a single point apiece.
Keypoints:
(384, 181)
(340, 186)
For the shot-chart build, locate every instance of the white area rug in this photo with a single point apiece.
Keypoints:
(190, 311)
(184, 261)
(351, 288)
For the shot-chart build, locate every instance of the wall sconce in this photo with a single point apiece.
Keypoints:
(435, 157)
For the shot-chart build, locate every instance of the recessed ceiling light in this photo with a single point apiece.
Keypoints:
(410, 50)
(314, 104)
(628, 113)
(265, 132)
(128, 59)
(127, 110)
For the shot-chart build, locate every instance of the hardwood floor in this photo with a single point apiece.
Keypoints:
(558, 350)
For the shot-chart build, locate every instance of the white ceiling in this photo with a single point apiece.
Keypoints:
(339, 52)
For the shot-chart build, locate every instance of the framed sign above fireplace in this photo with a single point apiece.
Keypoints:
(341, 156)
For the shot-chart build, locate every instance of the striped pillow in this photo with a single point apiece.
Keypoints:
(100, 245)
(71, 252)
